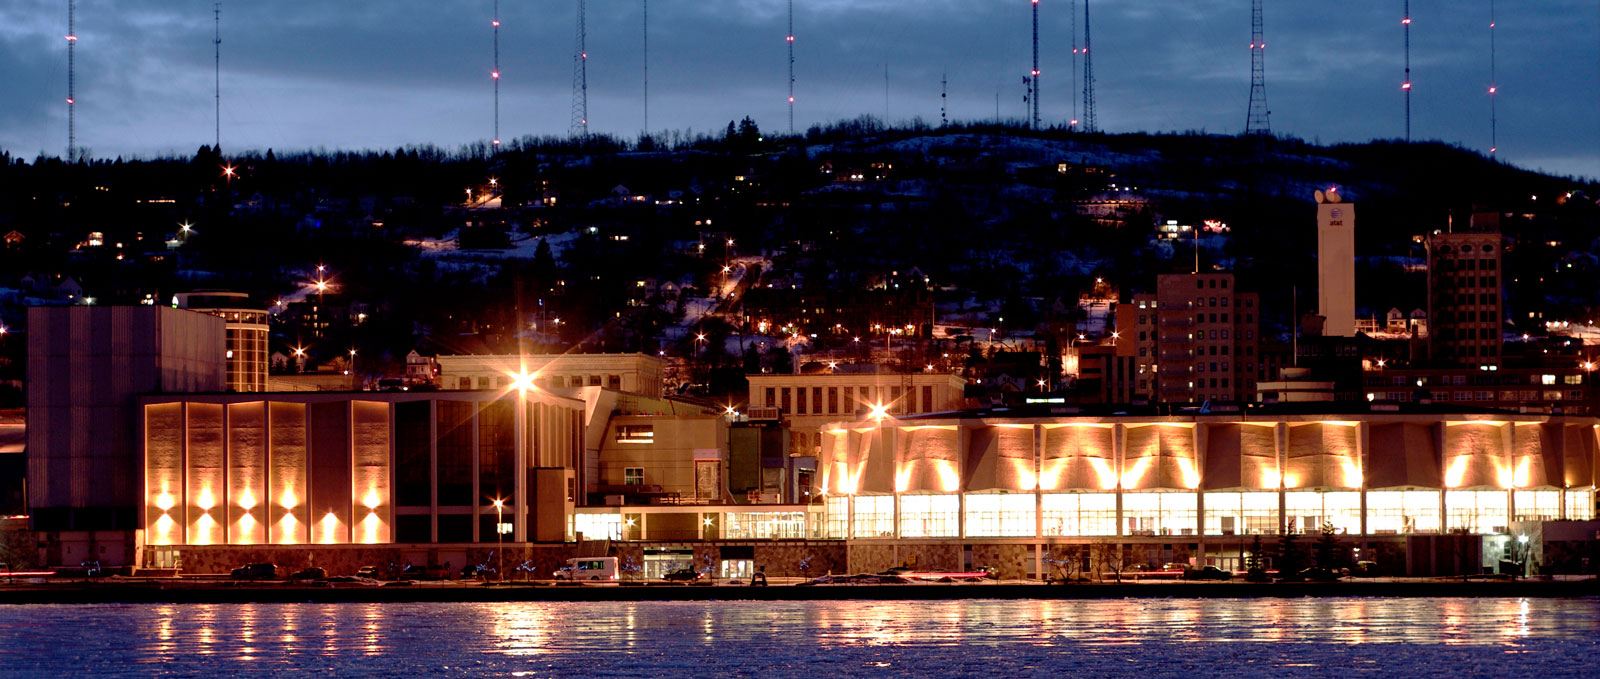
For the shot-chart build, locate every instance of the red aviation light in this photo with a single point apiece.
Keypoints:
(495, 23)
(1406, 85)
(494, 74)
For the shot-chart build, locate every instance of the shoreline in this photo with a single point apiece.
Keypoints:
(156, 591)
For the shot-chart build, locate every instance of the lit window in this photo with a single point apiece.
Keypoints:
(633, 476)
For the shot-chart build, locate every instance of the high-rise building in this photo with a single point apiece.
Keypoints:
(1196, 339)
(1336, 264)
(247, 335)
(1465, 306)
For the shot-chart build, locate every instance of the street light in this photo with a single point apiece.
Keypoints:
(500, 538)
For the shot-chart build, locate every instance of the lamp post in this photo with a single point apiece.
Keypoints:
(500, 538)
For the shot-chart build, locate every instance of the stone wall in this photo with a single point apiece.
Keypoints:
(1011, 562)
(876, 558)
(345, 560)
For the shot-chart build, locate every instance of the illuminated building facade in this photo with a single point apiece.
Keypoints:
(808, 402)
(633, 373)
(357, 468)
(1035, 480)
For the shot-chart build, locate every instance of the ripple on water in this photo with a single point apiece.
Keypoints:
(778, 640)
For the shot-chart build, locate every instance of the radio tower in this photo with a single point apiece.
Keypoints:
(1494, 135)
(580, 77)
(72, 66)
(1257, 120)
(1074, 69)
(216, 43)
(1033, 79)
(644, 6)
(1406, 86)
(791, 66)
(944, 98)
(495, 76)
(1089, 122)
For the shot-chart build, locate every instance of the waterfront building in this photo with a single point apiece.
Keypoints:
(1026, 482)
(809, 401)
(633, 373)
(86, 364)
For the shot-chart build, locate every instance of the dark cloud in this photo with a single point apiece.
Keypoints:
(304, 73)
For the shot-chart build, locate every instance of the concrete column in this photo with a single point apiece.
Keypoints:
(1280, 437)
(1119, 444)
(477, 493)
(433, 470)
(1199, 492)
(521, 441)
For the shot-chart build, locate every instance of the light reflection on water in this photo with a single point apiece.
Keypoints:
(774, 640)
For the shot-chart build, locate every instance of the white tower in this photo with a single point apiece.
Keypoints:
(1336, 264)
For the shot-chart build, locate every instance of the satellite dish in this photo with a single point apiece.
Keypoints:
(1319, 196)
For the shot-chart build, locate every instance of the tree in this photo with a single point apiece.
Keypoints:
(1326, 550)
(1290, 557)
(1256, 564)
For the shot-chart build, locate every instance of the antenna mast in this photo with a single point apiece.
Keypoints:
(216, 15)
(944, 98)
(495, 75)
(1033, 79)
(1074, 69)
(72, 67)
(791, 66)
(645, 10)
(1406, 22)
(1089, 122)
(1494, 132)
(580, 77)
(1257, 119)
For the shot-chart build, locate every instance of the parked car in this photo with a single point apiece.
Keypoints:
(256, 571)
(589, 568)
(1319, 574)
(683, 575)
(368, 572)
(312, 573)
(477, 570)
(428, 572)
(1207, 573)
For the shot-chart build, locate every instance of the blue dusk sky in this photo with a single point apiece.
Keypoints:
(300, 74)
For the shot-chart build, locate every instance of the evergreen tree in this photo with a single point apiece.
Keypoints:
(1290, 559)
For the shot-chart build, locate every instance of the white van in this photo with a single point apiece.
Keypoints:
(589, 568)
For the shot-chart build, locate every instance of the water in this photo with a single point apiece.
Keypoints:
(1186, 638)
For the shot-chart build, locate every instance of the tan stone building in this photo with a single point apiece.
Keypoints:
(808, 402)
(633, 373)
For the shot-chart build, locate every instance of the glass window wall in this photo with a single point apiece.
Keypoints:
(599, 526)
(1580, 504)
(1242, 513)
(765, 526)
(1402, 512)
(1075, 514)
(1537, 505)
(1476, 511)
(1307, 511)
(930, 516)
(838, 516)
(874, 516)
(1000, 515)
(1159, 513)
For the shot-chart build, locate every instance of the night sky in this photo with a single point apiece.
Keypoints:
(300, 74)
